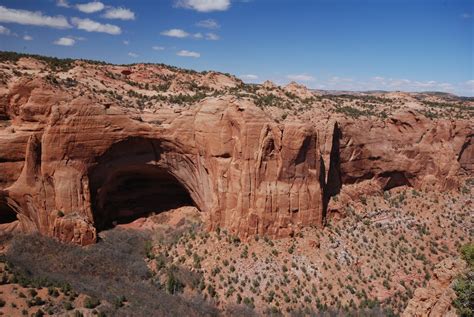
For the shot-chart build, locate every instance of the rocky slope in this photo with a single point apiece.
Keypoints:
(437, 297)
(84, 145)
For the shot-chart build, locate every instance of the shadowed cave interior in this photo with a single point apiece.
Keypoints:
(7, 214)
(136, 191)
(128, 183)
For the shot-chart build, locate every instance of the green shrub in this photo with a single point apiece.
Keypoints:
(467, 252)
(464, 285)
(91, 302)
(68, 306)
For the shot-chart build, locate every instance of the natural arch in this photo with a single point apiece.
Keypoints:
(135, 178)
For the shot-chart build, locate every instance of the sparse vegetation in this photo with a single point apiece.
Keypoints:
(464, 285)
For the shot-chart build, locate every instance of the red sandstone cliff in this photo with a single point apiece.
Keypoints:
(73, 160)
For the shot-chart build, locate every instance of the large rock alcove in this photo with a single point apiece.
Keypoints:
(136, 177)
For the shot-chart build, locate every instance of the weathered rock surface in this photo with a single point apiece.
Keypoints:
(248, 173)
(437, 297)
(369, 156)
(72, 163)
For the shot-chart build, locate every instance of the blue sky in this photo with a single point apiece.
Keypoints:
(408, 45)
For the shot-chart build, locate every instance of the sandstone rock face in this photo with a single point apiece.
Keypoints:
(72, 163)
(437, 297)
(368, 156)
(94, 164)
(406, 149)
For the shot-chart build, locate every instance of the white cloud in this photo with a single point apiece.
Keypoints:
(249, 77)
(395, 84)
(186, 53)
(175, 33)
(27, 38)
(198, 36)
(90, 7)
(32, 18)
(204, 5)
(93, 26)
(208, 24)
(63, 3)
(158, 48)
(65, 41)
(300, 77)
(212, 36)
(4, 30)
(390, 84)
(125, 42)
(470, 84)
(336, 79)
(131, 54)
(119, 13)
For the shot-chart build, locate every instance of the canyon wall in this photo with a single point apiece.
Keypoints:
(71, 165)
(63, 157)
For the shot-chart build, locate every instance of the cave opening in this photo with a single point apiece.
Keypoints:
(395, 179)
(130, 181)
(7, 214)
(138, 191)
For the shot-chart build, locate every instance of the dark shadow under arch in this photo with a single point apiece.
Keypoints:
(7, 214)
(129, 182)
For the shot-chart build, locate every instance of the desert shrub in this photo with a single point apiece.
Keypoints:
(91, 302)
(464, 285)
(109, 269)
(325, 312)
(173, 284)
(240, 311)
(68, 306)
(467, 252)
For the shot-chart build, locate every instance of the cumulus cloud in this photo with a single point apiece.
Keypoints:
(131, 54)
(65, 41)
(27, 38)
(93, 26)
(249, 77)
(63, 3)
(186, 53)
(4, 30)
(32, 18)
(212, 36)
(90, 7)
(300, 77)
(198, 35)
(208, 24)
(204, 5)
(175, 33)
(158, 48)
(119, 13)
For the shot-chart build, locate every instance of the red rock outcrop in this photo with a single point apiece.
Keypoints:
(72, 162)
(79, 157)
(404, 149)
(437, 297)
